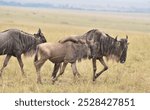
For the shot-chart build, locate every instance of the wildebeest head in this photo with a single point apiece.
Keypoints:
(121, 48)
(40, 36)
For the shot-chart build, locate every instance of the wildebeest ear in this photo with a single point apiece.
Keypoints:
(127, 37)
(39, 31)
(116, 38)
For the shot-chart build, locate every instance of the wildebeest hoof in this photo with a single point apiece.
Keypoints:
(53, 80)
(94, 79)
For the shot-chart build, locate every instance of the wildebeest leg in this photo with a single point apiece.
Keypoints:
(7, 58)
(38, 64)
(62, 69)
(94, 68)
(74, 69)
(21, 64)
(55, 70)
(104, 69)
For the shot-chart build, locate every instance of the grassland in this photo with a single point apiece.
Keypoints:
(133, 76)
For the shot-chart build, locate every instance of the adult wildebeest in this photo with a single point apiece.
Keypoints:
(15, 42)
(104, 45)
(67, 52)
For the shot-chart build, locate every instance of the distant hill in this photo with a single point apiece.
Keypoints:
(96, 6)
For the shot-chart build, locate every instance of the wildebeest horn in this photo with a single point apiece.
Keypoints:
(39, 31)
(126, 36)
(116, 38)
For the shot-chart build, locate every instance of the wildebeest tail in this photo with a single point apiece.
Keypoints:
(36, 54)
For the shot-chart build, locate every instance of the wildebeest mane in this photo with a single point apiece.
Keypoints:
(91, 34)
(108, 48)
(28, 43)
(5, 30)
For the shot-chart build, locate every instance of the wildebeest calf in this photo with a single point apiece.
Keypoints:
(68, 52)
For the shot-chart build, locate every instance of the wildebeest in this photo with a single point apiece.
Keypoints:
(14, 42)
(67, 52)
(104, 45)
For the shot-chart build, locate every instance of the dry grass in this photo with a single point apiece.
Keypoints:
(133, 76)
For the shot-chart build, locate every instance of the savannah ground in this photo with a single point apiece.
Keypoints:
(133, 76)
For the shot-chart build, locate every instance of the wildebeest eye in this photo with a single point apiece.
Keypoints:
(35, 35)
